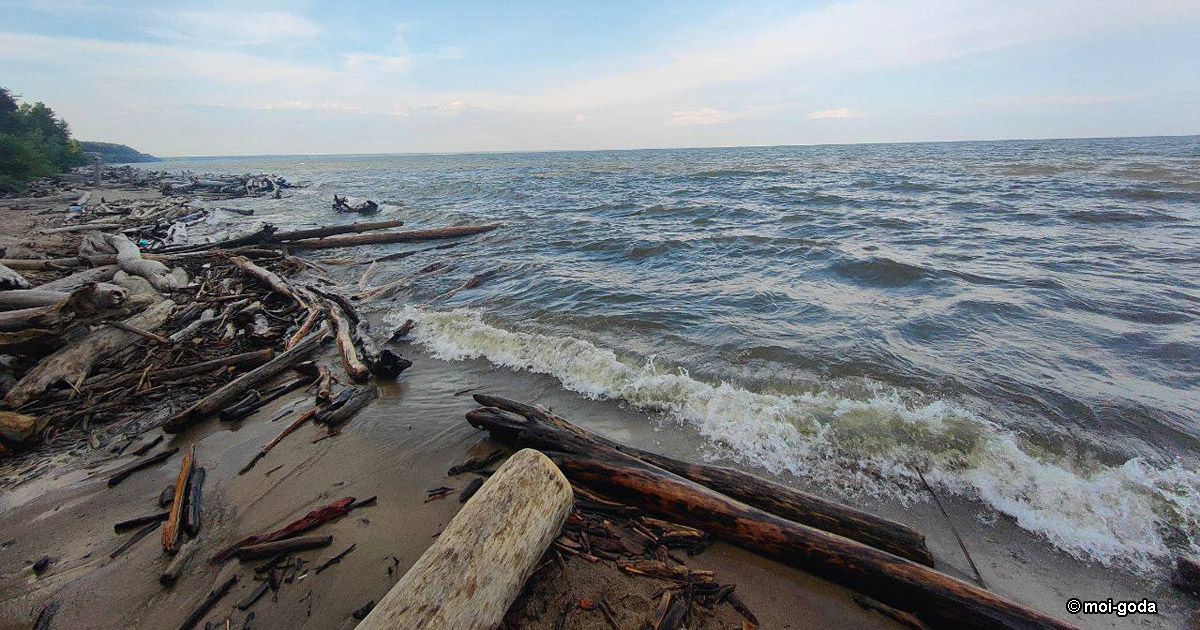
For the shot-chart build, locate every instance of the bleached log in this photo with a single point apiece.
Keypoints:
(474, 571)
(268, 278)
(29, 298)
(130, 260)
(10, 280)
(86, 300)
(73, 363)
(76, 280)
(353, 365)
(352, 228)
(381, 238)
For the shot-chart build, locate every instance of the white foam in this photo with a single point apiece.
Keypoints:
(1127, 516)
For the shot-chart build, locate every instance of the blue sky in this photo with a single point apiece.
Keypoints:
(248, 78)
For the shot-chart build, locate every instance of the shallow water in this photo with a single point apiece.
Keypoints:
(1018, 319)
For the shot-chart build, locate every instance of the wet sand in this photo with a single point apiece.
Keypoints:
(397, 448)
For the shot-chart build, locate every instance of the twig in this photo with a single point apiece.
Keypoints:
(137, 331)
(953, 529)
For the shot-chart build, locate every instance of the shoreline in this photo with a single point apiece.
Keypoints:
(242, 507)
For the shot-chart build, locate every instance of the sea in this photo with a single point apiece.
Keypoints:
(1017, 320)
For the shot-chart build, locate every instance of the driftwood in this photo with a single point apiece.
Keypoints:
(89, 299)
(354, 204)
(211, 600)
(384, 238)
(30, 298)
(296, 424)
(76, 280)
(172, 529)
(129, 542)
(473, 282)
(192, 509)
(772, 497)
(177, 564)
(472, 574)
(124, 473)
(268, 278)
(130, 260)
(256, 357)
(268, 549)
(140, 521)
(73, 363)
(355, 368)
(17, 427)
(352, 228)
(347, 403)
(309, 521)
(219, 399)
(10, 279)
(86, 227)
(255, 400)
(936, 598)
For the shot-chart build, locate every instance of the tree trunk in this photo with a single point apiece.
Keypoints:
(476, 568)
(772, 497)
(352, 228)
(234, 390)
(391, 237)
(76, 280)
(73, 363)
(268, 278)
(29, 298)
(936, 598)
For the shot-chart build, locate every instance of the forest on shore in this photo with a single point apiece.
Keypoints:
(35, 142)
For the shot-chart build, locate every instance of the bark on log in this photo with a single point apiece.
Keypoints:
(234, 390)
(267, 549)
(936, 598)
(391, 237)
(333, 230)
(470, 576)
(29, 298)
(74, 362)
(10, 279)
(772, 497)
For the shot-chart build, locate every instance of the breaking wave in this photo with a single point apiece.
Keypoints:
(1132, 516)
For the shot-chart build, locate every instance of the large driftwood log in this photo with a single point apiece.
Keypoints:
(131, 261)
(352, 228)
(76, 280)
(86, 300)
(355, 368)
(73, 363)
(234, 390)
(936, 598)
(470, 576)
(391, 237)
(29, 298)
(10, 279)
(772, 497)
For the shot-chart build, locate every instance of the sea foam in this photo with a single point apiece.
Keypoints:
(1132, 516)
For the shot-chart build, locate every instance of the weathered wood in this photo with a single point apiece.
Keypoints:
(177, 564)
(211, 600)
(88, 299)
(10, 279)
(17, 427)
(355, 368)
(391, 237)
(86, 227)
(256, 357)
(140, 521)
(219, 399)
(268, 278)
(30, 298)
(936, 598)
(475, 569)
(333, 230)
(347, 403)
(171, 530)
(73, 363)
(256, 400)
(76, 280)
(772, 497)
(130, 260)
(267, 549)
(192, 510)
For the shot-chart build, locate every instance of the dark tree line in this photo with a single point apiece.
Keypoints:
(34, 142)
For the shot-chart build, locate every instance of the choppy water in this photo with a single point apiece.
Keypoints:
(1017, 318)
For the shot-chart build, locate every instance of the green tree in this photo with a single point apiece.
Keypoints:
(34, 142)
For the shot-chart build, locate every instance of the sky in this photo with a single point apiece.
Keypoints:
(301, 77)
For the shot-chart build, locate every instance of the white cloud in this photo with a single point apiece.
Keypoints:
(235, 28)
(701, 116)
(367, 61)
(840, 112)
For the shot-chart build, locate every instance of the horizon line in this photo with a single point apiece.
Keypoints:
(664, 148)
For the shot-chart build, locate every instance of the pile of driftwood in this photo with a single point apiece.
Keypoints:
(209, 184)
(112, 340)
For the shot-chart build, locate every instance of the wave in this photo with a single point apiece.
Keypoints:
(1134, 516)
(1119, 216)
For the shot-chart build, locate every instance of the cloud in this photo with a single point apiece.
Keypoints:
(367, 61)
(840, 112)
(1058, 100)
(701, 116)
(235, 28)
